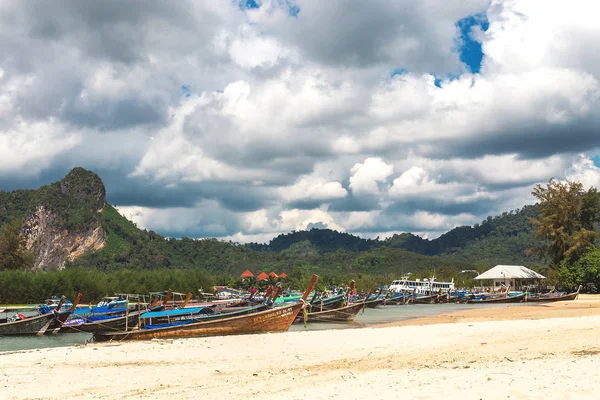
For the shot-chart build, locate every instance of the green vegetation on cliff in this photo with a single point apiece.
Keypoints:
(76, 200)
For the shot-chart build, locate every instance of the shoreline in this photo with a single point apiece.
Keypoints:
(532, 358)
(585, 305)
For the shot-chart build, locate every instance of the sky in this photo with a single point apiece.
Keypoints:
(246, 119)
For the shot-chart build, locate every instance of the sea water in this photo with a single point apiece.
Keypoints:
(370, 317)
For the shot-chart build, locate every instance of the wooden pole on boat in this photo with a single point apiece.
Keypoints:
(154, 302)
(276, 293)
(167, 297)
(268, 292)
(73, 306)
(311, 284)
(187, 300)
(60, 303)
(43, 329)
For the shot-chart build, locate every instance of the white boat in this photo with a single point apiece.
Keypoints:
(425, 286)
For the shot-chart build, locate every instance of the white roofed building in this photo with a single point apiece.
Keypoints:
(515, 276)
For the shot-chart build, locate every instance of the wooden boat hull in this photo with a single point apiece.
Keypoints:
(422, 299)
(373, 303)
(395, 301)
(318, 306)
(451, 299)
(28, 326)
(567, 297)
(344, 314)
(116, 323)
(276, 320)
(507, 299)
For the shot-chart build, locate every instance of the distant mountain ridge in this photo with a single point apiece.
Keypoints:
(513, 224)
(69, 223)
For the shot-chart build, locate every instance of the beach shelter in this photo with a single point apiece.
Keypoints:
(262, 277)
(247, 274)
(273, 275)
(283, 275)
(515, 276)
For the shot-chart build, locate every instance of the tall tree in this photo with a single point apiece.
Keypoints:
(13, 253)
(590, 209)
(566, 222)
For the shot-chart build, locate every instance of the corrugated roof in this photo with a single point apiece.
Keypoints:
(509, 272)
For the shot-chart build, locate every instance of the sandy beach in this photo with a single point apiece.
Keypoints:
(531, 352)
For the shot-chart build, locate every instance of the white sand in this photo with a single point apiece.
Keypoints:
(555, 358)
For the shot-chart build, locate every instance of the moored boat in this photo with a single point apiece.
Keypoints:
(550, 297)
(36, 325)
(273, 320)
(47, 321)
(111, 322)
(497, 299)
(426, 299)
(374, 303)
(343, 314)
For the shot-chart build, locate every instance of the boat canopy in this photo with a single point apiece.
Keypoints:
(177, 312)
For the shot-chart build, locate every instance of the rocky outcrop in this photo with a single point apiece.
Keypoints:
(53, 245)
(60, 221)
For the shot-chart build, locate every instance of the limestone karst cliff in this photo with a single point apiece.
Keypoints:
(60, 221)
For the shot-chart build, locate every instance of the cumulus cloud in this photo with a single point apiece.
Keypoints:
(365, 177)
(256, 121)
(585, 171)
(313, 189)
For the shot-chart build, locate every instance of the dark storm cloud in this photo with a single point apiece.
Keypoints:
(530, 140)
(111, 29)
(352, 203)
(140, 192)
(55, 48)
(378, 32)
(445, 207)
(205, 224)
(117, 114)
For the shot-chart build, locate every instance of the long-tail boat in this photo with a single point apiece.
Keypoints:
(109, 323)
(273, 320)
(343, 314)
(396, 299)
(548, 297)
(424, 299)
(36, 325)
(373, 302)
(62, 317)
(328, 303)
(29, 326)
(497, 299)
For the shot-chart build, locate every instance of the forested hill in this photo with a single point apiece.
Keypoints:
(511, 229)
(71, 220)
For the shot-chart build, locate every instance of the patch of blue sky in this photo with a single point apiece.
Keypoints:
(398, 71)
(596, 160)
(439, 80)
(293, 9)
(185, 90)
(248, 4)
(469, 49)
